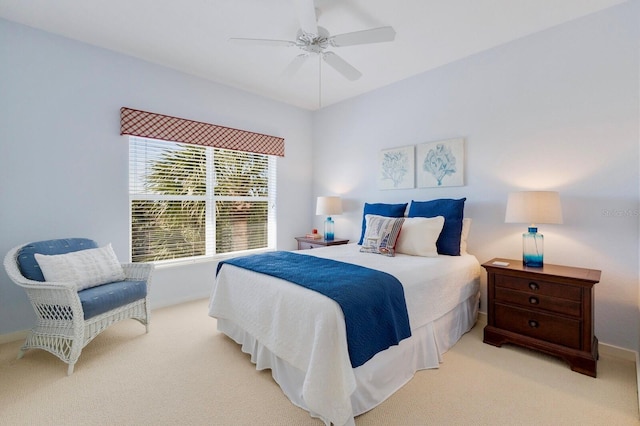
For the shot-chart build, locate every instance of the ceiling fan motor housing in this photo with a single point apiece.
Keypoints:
(313, 43)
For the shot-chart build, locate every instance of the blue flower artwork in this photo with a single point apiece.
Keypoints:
(441, 163)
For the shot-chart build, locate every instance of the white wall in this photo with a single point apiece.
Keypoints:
(557, 110)
(64, 165)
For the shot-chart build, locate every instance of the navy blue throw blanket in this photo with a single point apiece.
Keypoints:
(373, 304)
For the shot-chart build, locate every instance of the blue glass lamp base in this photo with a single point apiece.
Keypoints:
(328, 229)
(532, 261)
(532, 248)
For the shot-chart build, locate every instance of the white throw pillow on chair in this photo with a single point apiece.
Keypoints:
(87, 268)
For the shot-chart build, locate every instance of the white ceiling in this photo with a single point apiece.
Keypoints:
(193, 36)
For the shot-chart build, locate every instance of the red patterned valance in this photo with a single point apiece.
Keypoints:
(157, 126)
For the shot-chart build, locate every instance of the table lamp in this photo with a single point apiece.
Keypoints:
(533, 207)
(329, 206)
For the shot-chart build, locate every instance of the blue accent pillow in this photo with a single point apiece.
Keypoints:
(381, 209)
(453, 212)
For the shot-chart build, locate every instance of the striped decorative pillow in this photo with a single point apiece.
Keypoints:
(381, 234)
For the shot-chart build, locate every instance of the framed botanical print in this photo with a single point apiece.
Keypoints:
(440, 163)
(396, 168)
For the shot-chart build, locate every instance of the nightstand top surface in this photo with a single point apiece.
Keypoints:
(323, 241)
(585, 274)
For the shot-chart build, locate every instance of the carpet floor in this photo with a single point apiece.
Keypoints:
(184, 372)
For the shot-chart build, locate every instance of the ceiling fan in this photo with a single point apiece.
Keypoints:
(315, 40)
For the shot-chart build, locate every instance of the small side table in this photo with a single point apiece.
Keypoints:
(310, 243)
(549, 309)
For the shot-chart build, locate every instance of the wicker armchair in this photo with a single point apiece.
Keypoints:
(68, 319)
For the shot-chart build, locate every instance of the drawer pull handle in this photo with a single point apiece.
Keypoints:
(533, 323)
(534, 300)
(533, 286)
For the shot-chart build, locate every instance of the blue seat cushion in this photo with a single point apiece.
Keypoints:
(105, 297)
(27, 262)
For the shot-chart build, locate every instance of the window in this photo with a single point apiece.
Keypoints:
(189, 201)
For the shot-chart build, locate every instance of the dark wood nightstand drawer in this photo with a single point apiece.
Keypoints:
(535, 286)
(303, 245)
(549, 309)
(538, 301)
(550, 328)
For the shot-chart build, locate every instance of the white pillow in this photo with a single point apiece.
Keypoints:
(87, 268)
(419, 235)
(466, 225)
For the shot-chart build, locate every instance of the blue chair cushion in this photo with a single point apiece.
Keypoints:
(27, 262)
(105, 297)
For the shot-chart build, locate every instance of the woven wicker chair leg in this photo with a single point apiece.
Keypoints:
(21, 353)
(70, 369)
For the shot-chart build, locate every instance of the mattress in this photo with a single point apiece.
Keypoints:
(299, 334)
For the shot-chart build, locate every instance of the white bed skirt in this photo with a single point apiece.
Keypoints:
(382, 375)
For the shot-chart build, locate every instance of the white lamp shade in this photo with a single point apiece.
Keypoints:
(329, 206)
(534, 207)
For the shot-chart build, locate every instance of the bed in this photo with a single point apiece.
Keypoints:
(309, 358)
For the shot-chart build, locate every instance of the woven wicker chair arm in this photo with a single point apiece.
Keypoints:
(49, 293)
(49, 285)
(138, 271)
(16, 276)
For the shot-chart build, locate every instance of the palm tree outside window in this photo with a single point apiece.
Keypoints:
(190, 201)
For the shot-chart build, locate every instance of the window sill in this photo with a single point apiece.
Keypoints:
(166, 264)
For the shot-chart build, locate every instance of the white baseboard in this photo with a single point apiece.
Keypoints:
(638, 379)
(617, 352)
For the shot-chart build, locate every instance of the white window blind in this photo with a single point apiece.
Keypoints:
(189, 201)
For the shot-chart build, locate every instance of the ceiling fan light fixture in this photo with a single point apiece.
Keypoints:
(314, 43)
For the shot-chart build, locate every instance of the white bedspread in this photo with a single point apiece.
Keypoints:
(306, 329)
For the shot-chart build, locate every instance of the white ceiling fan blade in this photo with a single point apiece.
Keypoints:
(342, 66)
(374, 35)
(262, 41)
(306, 11)
(295, 65)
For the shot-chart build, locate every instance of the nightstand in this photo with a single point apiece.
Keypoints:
(549, 309)
(309, 243)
